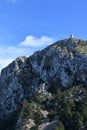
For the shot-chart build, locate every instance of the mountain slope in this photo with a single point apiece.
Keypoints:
(60, 65)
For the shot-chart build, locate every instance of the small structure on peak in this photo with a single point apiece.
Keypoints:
(71, 36)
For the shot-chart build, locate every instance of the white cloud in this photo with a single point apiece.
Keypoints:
(8, 54)
(12, 51)
(25, 48)
(4, 62)
(37, 42)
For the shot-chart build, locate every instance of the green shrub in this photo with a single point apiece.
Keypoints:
(60, 126)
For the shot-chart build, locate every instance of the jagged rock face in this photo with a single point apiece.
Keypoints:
(61, 62)
(64, 63)
(11, 92)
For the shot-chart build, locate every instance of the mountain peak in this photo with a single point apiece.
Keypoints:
(60, 65)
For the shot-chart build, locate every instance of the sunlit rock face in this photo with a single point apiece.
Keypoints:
(63, 63)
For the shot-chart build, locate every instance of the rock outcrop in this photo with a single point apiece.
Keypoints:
(63, 63)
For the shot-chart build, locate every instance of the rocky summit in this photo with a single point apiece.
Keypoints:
(60, 65)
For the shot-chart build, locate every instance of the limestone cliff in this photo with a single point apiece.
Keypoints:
(63, 63)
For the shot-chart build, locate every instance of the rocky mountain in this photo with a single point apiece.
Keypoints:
(60, 65)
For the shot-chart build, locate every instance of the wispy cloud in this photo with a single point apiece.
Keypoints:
(24, 48)
(8, 54)
(33, 41)
(4, 62)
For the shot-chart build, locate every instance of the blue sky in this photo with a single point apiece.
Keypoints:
(29, 25)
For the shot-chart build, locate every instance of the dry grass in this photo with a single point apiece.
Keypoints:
(82, 49)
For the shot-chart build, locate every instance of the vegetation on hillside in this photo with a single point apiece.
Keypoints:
(69, 104)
